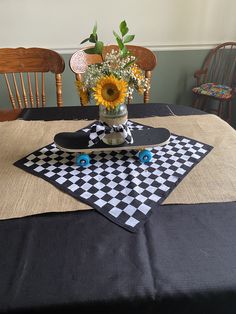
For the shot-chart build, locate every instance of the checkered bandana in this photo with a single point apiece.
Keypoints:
(99, 129)
(116, 184)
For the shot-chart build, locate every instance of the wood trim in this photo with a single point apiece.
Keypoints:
(153, 47)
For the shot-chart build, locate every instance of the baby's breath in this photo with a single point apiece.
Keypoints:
(123, 68)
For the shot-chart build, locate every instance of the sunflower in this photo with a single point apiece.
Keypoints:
(141, 90)
(84, 97)
(110, 91)
(137, 72)
(83, 93)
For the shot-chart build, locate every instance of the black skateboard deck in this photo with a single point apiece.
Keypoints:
(78, 141)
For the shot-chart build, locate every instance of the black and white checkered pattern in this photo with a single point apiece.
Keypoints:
(99, 129)
(132, 126)
(116, 183)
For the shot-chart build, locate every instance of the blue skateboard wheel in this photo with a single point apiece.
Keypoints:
(83, 160)
(145, 156)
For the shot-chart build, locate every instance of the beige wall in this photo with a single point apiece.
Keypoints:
(159, 24)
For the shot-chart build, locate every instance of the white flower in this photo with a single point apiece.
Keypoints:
(122, 68)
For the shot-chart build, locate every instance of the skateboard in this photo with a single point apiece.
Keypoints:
(77, 142)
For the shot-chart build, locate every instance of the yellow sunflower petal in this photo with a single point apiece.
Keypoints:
(137, 72)
(84, 96)
(83, 93)
(79, 84)
(110, 91)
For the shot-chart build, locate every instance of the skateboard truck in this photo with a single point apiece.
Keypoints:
(83, 160)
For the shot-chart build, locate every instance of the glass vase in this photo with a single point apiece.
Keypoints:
(116, 116)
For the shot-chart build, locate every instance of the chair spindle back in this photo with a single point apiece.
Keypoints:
(24, 71)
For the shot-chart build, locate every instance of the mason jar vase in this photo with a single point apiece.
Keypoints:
(116, 116)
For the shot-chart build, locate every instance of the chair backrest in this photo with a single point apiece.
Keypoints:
(24, 73)
(145, 59)
(220, 65)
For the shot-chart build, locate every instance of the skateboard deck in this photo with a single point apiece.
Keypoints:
(78, 141)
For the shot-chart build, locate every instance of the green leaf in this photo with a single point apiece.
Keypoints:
(95, 30)
(90, 51)
(120, 43)
(116, 35)
(128, 38)
(123, 28)
(99, 47)
(124, 51)
(92, 38)
(129, 63)
(84, 41)
(119, 40)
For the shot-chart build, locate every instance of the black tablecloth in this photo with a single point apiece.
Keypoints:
(182, 261)
(91, 112)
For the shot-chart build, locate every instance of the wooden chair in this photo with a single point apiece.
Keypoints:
(146, 60)
(24, 73)
(217, 80)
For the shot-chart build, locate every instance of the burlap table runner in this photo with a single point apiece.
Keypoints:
(22, 194)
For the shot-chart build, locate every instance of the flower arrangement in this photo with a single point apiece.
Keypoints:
(114, 80)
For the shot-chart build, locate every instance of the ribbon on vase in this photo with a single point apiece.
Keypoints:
(100, 129)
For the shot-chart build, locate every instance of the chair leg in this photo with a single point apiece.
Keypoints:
(227, 113)
(195, 101)
(220, 110)
(229, 117)
(204, 103)
(198, 102)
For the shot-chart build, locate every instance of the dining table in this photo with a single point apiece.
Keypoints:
(181, 260)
